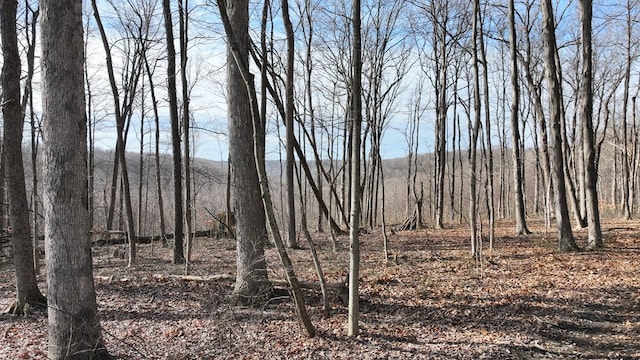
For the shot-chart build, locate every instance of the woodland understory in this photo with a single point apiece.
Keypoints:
(431, 301)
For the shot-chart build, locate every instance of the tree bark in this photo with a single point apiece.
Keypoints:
(238, 51)
(252, 283)
(292, 241)
(475, 129)
(518, 178)
(178, 239)
(566, 241)
(74, 328)
(154, 104)
(586, 117)
(353, 327)
(26, 282)
(188, 205)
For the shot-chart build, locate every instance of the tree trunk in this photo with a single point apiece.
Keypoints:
(353, 327)
(74, 328)
(156, 116)
(487, 126)
(178, 237)
(237, 49)
(252, 283)
(626, 204)
(4, 202)
(565, 234)
(475, 129)
(188, 205)
(586, 116)
(120, 129)
(292, 241)
(26, 282)
(518, 178)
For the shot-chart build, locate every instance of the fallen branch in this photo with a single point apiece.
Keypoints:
(339, 290)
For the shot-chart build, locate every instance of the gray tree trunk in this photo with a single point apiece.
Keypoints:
(121, 132)
(586, 117)
(252, 282)
(183, 6)
(518, 178)
(178, 238)
(292, 241)
(475, 129)
(26, 282)
(74, 328)
(353, 327)
(156, 117)
(566, 241)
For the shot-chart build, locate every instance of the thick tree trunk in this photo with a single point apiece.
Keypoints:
(238, 51)
(74, 328)
(26, 282)
(252, 283)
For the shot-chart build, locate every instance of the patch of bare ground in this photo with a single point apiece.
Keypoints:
(432, 301)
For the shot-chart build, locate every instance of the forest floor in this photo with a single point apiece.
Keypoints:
(431, 301)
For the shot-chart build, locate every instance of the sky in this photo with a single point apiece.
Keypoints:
(207, 58)
(207, 100)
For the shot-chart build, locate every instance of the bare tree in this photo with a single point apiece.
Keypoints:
(518, 177)
(156, 116)
(238, 25)
(292, 241)
(122, 116)
(74, 328)
(252, 283)
(31, 20)
(353, 326)
(26, 282)
(566, 241)
(586, 117)
(476, 238)
(178, 235)
(183, 15)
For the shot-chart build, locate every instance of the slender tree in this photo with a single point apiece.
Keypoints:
(566, 241)
(475, 131)
(292, 241)
(178, 236)
(121, 115)
(354, 218)
(586, 117)
(156, 116)
(31, 19)
(518, 177)
(26, 282)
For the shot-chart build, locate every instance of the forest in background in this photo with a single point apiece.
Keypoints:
(210, 183)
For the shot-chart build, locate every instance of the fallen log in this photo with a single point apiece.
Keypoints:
(118, 237)
(338, 290)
